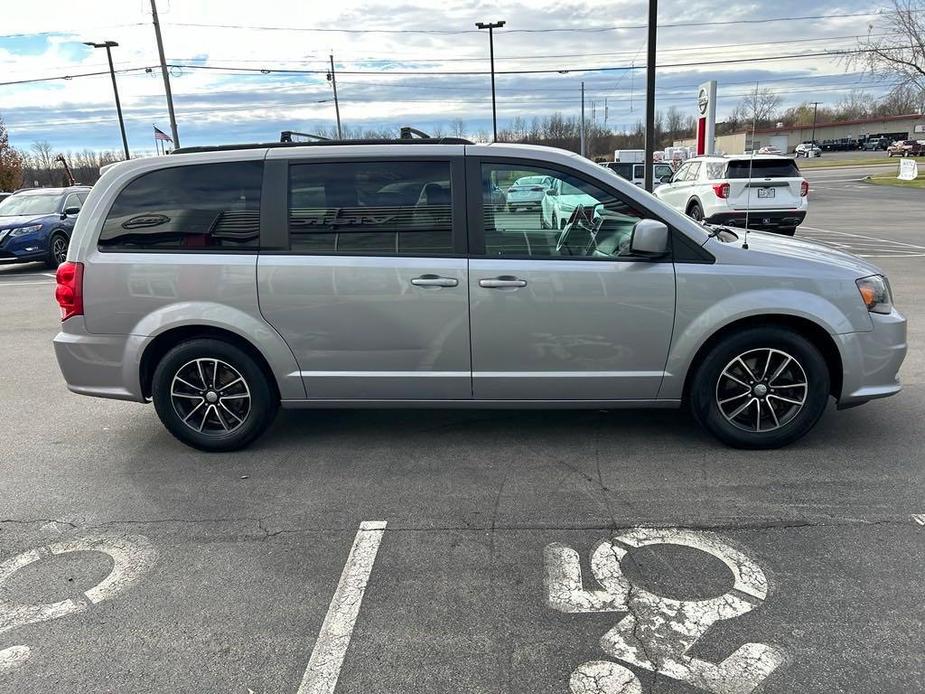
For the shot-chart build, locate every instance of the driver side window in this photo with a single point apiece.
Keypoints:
(540, 213)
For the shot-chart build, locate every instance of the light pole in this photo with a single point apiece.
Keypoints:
(650, 96)
(109, 45)
(815, 110)
(160, 53)
(332, 78)
(491, 26)
(581, 127)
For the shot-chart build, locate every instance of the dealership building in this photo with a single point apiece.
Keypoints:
(908, 127)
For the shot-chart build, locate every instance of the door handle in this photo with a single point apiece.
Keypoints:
(502, 282)
(434, 281)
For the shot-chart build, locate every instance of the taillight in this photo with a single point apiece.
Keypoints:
(804, 188)
(721, 190)
(70, 290)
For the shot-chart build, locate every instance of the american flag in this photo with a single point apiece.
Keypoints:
(161, 135)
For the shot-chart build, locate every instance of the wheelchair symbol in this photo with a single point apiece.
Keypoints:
(658, 632)
(132, 556)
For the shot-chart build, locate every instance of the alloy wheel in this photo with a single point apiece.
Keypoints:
(59, 249)
(210, 396)
(762, 390)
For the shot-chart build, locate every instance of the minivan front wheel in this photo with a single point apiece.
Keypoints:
(212, 395)
(761, 388)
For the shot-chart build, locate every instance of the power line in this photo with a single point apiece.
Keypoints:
(538, 71)
(400, 58)
(453, 32)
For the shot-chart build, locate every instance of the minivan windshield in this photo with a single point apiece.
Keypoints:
(16, 205)
(763, 168)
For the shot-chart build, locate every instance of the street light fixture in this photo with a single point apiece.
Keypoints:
(491, 26)
(108, 45)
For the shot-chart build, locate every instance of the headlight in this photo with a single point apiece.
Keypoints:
(875, 293)
(21, 231)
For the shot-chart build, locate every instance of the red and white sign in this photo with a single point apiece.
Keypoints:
(706, 117)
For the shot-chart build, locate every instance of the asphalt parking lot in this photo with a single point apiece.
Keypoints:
(428, 551)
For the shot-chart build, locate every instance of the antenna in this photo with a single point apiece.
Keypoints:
(751, 161)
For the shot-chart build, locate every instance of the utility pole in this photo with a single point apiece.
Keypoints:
(491, 26)
(332, 78)
(815, 110)
(650, 95)
(109, 45)
(160, 52)
(605, 112)
(581, 127)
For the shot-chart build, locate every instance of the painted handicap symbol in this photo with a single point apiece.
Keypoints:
(658, 632)
(132, 556)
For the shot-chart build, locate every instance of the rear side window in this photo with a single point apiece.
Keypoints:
(382, 208)
(763, 168)
(188, 208)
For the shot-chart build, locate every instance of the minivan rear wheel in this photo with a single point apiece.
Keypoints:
(761, 388)
(212, 395)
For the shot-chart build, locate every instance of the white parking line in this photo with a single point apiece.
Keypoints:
(22, 284)
(919, 518)
(865, 237)
(328, 654)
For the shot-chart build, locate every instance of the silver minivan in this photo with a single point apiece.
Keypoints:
(222, 283)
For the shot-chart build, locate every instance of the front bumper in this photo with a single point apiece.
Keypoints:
(871, 360)
(762, 220)
(106, 366)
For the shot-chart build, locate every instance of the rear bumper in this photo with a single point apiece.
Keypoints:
(104, 366)
(871, 360)
(763, 220)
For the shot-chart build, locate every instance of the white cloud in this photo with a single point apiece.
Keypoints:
(214, 106)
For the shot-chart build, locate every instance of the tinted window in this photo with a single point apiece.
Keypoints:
(693, 171)
(73, 201)
(621, 169)
(371, 208)
(763, 168)
(578, 220)
(188, 208)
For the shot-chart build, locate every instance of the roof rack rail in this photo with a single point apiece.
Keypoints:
(407, 136)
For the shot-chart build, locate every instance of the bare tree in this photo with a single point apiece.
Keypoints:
(855, 104)
(898, 52)
(759, 106)
(458, 127)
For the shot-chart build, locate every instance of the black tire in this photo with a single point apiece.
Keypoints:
(57, 249)
(695, 211)
(707, 388)
(262, 400)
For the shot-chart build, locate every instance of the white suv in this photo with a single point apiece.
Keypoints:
(766, 192)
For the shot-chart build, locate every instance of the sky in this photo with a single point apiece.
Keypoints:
(228, 56)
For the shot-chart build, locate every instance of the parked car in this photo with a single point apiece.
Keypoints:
(906, 148)
(770, 149)
(875, 144)
(527, 192)
(36, 223)
(808, 149)
(631, 171)
(560, 201)
(224, 283)
(767, 191)
(4, 196)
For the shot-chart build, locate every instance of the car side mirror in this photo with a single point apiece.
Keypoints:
(650, 238)
(666, 178)
(71, 212)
